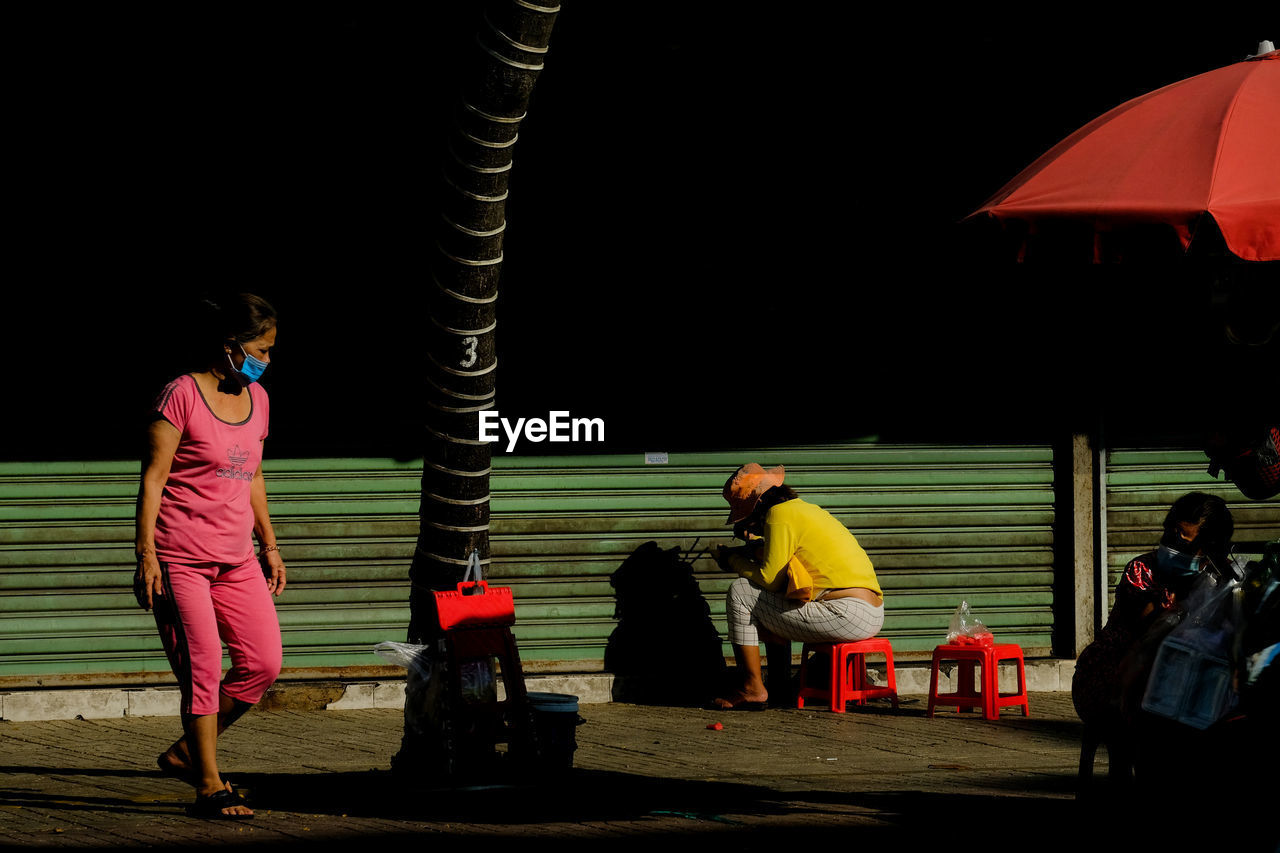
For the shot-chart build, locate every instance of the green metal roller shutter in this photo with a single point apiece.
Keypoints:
(940, 523)
(1143, 483)
(65, 552)
(67, 611)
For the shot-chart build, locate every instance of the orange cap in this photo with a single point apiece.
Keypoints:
(745, 487)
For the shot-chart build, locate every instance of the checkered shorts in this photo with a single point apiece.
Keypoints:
(840, 620)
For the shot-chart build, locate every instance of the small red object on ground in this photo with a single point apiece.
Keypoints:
(716, 726)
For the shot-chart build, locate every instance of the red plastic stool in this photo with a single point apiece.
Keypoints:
(847, 679)
(965, 697)
(1013, 652)
(987, 696)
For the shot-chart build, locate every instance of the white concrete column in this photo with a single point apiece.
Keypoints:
(1088, 508)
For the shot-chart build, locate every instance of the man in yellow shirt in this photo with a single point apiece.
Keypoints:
(802, 577)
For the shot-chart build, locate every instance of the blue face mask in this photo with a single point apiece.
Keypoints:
(252, 369)
(1171, 564)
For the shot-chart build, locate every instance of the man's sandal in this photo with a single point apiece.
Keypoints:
(213, 805)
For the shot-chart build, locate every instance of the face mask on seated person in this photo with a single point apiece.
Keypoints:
(1172, 564)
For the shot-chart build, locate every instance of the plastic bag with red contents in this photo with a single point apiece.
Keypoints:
(967, 629)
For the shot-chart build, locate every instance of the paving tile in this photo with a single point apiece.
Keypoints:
(641, 774)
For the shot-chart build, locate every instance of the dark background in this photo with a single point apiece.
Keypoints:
(729, 224)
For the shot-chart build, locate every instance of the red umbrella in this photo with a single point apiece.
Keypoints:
(1208, 145)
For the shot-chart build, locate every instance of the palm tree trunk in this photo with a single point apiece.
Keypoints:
(509, 46)
(507, 53)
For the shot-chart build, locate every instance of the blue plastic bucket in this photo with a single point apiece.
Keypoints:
(555, 720)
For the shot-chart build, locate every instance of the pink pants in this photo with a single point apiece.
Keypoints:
(202, 607)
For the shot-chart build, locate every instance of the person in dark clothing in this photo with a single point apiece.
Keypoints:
(1196, 538)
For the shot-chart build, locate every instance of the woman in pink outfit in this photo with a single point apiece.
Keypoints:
(201, 503)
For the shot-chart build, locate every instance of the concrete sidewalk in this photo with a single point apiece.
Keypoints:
(642, 774)
(106, 702)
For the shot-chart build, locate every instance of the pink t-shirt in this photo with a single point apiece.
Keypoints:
(205, 511)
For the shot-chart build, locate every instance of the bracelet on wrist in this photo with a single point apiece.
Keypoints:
(266, 548)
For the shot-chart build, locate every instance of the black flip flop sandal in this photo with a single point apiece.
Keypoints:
(213, 805)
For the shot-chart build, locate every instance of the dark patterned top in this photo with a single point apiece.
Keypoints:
(1099, 680)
